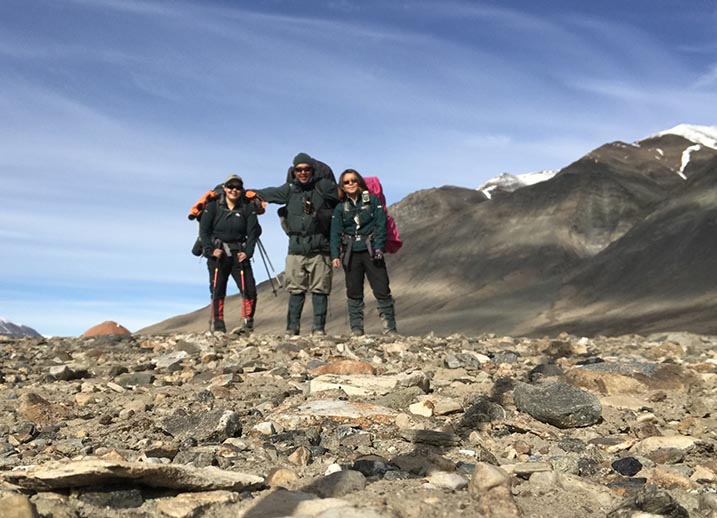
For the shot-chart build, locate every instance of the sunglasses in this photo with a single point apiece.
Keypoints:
(302, 169)
(350, 181)
(233, 187)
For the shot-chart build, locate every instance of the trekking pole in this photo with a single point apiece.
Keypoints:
(264, 258)
(214, 290)
(243, 296)
(262, 249)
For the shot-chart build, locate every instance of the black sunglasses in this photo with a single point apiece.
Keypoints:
(233, 187)
(302, 169)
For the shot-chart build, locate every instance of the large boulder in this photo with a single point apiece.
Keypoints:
(107, 328)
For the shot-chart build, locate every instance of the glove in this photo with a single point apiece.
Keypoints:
(377, 255)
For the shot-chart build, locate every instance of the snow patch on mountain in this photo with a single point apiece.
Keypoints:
(686, 159)
(512, 182)
(703, 135)
(8, 328)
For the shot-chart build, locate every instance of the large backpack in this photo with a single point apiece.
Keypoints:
(198, 209)
(393, 238)
(321, 170)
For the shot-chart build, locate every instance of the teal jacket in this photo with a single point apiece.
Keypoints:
(358, 220)
(308, 234)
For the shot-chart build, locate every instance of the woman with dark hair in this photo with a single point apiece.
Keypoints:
(358, 238)
(229, 230)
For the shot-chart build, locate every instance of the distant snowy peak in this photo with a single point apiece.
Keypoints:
(703, 135)
(506, 182)
(8, 328)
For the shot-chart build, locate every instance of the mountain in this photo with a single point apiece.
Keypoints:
(8, 328)
(619, 241)
(507, 182)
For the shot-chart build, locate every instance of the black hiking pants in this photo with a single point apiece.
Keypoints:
(230, 266)
(362, 265)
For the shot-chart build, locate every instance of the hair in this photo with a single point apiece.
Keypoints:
(361, 183)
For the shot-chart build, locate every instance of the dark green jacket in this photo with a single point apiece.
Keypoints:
(306, 236)
(371, 221)
(238, 228)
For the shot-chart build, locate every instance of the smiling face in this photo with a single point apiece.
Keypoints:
(232, 190)
(303, 173)
(350, 185)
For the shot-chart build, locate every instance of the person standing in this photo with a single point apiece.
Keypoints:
(358, 238)
(309, 204)
(229, 230)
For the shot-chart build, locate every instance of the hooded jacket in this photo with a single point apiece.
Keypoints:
(304, 202)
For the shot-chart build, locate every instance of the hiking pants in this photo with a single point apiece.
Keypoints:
(360, 265)
(308, 273)
(231, 266)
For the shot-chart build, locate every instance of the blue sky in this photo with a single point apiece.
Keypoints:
(115, 115)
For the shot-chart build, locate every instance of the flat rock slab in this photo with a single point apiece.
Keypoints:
(346, 412)
(631, 377)
(559, 404)
(366, 385)
(96, 472)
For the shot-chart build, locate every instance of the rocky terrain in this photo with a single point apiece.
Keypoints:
(219, 426)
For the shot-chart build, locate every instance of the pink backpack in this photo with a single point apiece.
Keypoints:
(393, 241)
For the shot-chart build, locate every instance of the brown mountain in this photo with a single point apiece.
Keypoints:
(618, 241)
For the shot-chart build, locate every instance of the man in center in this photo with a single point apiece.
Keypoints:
(309, 205)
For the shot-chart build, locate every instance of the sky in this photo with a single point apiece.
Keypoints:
(116, 115)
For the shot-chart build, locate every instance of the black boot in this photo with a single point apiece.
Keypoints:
(356, 316)
(248, 310)
(293, 316)
(388, 315)
(217, 322)
(320, 302)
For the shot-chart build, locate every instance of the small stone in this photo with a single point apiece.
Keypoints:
(192, 505)
(300, 457)
(347, 367)
(265, 428)
(628, 466)
(281, 477)
(371, 466)
(115, 387)
(526, 469)
(446, 480)
(487, 477)
(422, 408)
(652, 444)
(338, 484)
(431, 437)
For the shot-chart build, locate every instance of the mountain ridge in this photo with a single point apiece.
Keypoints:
(560, 254)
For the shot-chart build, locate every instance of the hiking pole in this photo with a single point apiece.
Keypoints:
(243, 293)
(264, 258)
(214, 290)
(263, 250)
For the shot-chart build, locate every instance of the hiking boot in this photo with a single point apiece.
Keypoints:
(355, 309)
(293, 315)
(387, 313)
(246, 329)
(291, 332)
(218, 326)
(318, 332)
(320, 302)
(357, 332)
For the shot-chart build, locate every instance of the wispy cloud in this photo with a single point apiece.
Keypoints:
(117, 114)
